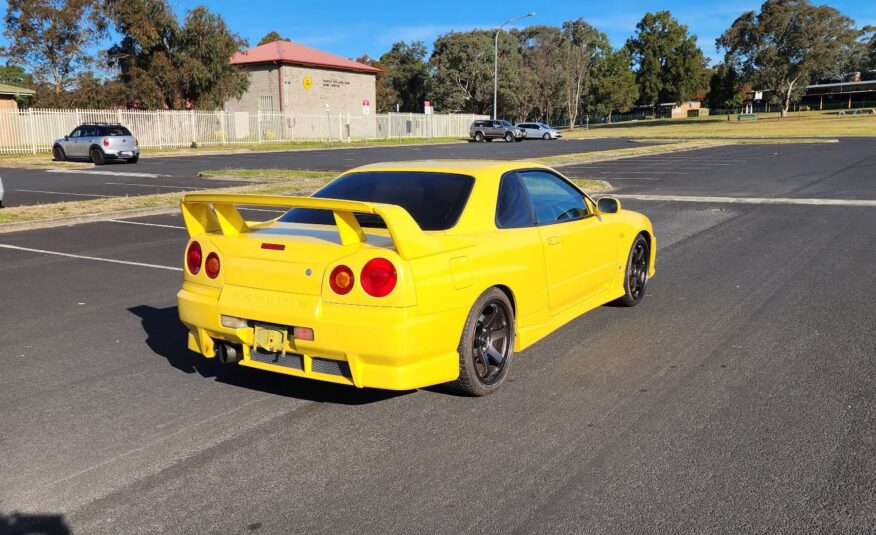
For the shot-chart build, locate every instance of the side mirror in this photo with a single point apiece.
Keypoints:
(608, 205)
(66, 138)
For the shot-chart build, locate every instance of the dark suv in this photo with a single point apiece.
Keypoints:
(488, 130)
(98, 142)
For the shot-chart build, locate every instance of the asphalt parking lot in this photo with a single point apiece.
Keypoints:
(737, 398)
(176, 173)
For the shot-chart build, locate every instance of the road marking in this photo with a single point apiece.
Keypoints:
(93, 258)
(752, 200)
(150, 185)
(144, 224)
(65, 193)
(103, 172)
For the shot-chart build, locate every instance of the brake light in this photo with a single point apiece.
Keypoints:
(341, 280)
(106, 142)
(211, 266)
(273, 246)
(194, 257)
(379, 277)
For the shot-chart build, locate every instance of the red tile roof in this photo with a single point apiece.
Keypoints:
(298, 54)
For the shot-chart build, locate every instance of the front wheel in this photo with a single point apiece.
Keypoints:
(97, 157)
(509, 137)
(58, 154)
(636, 275)
(486, 346)
(546, 137)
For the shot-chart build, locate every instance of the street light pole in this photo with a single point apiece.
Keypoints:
(496, 60)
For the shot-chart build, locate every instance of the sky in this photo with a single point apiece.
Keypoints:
(353, 28)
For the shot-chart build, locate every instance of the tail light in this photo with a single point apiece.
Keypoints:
(341, 280)
(106, 142)
(211, 266)
(379, 277)
(194, 257)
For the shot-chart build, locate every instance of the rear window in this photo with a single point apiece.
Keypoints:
(434, 200)
(115, 131)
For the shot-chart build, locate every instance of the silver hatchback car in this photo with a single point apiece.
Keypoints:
(540, 131)
(98, 142)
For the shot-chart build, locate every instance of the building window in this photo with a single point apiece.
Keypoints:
(266, 103)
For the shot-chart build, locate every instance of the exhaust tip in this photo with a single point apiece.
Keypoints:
(228, 354)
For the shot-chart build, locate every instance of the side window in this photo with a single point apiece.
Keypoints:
(552, 198)
(512, 207)
(77, 132)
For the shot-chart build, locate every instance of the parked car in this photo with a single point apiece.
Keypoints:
(488, 130)
(1, 192)
(540, 131)
(409, 274)
(98, 142)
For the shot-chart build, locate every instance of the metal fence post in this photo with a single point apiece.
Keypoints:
(32, 130)
(259, 126)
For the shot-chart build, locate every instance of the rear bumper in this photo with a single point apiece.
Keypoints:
(121, 154)
(380, 347)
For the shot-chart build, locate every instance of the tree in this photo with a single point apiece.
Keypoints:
(52, 37)
(407, 74)
(541, 49)
(462, 66)
(270, 37)
(165, 65)
(725, 87)
(787, 44)
(386, 96)
(615, 86)
(670, 66)
(582, 46)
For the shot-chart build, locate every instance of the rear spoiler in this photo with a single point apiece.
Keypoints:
(217, 213)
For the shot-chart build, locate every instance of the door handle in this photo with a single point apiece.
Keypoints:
(555, 240)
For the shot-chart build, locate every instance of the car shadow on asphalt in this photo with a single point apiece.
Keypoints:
(166, 337)
(27, 524)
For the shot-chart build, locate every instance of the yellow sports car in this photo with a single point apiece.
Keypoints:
(404, 275)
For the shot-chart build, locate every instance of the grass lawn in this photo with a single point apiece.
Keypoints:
(799, 124)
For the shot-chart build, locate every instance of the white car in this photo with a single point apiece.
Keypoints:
(1, 192)
(540, 131)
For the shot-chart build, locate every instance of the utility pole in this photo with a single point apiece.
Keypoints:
(496, 60)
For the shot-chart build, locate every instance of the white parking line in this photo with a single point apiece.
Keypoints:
(104, 172)
(65, 193)
(144, 224)
(753, 200)
(149, 185)
(93, 258)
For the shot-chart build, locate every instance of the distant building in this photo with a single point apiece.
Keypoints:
(290, 77)
(691, 108)
(8, 94)
(851, 94)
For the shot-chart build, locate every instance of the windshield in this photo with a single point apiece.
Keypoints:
(546, 127)
(434, 200)
(507, 124)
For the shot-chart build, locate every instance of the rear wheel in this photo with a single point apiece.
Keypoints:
(58, 154)
(479, 136)
(486, 346)
(636, 275)
(135, 159)
(97, 157)
(509, 137)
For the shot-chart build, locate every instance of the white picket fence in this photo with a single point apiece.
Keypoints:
(34, 130)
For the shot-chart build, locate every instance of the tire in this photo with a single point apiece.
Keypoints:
(636, 273)
(479, 136)
(135, 159)
(482, 371)
(97, 157)
(58, 154)
(509, 137)
(546, 137)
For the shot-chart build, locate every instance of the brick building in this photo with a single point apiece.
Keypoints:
(293, 78)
